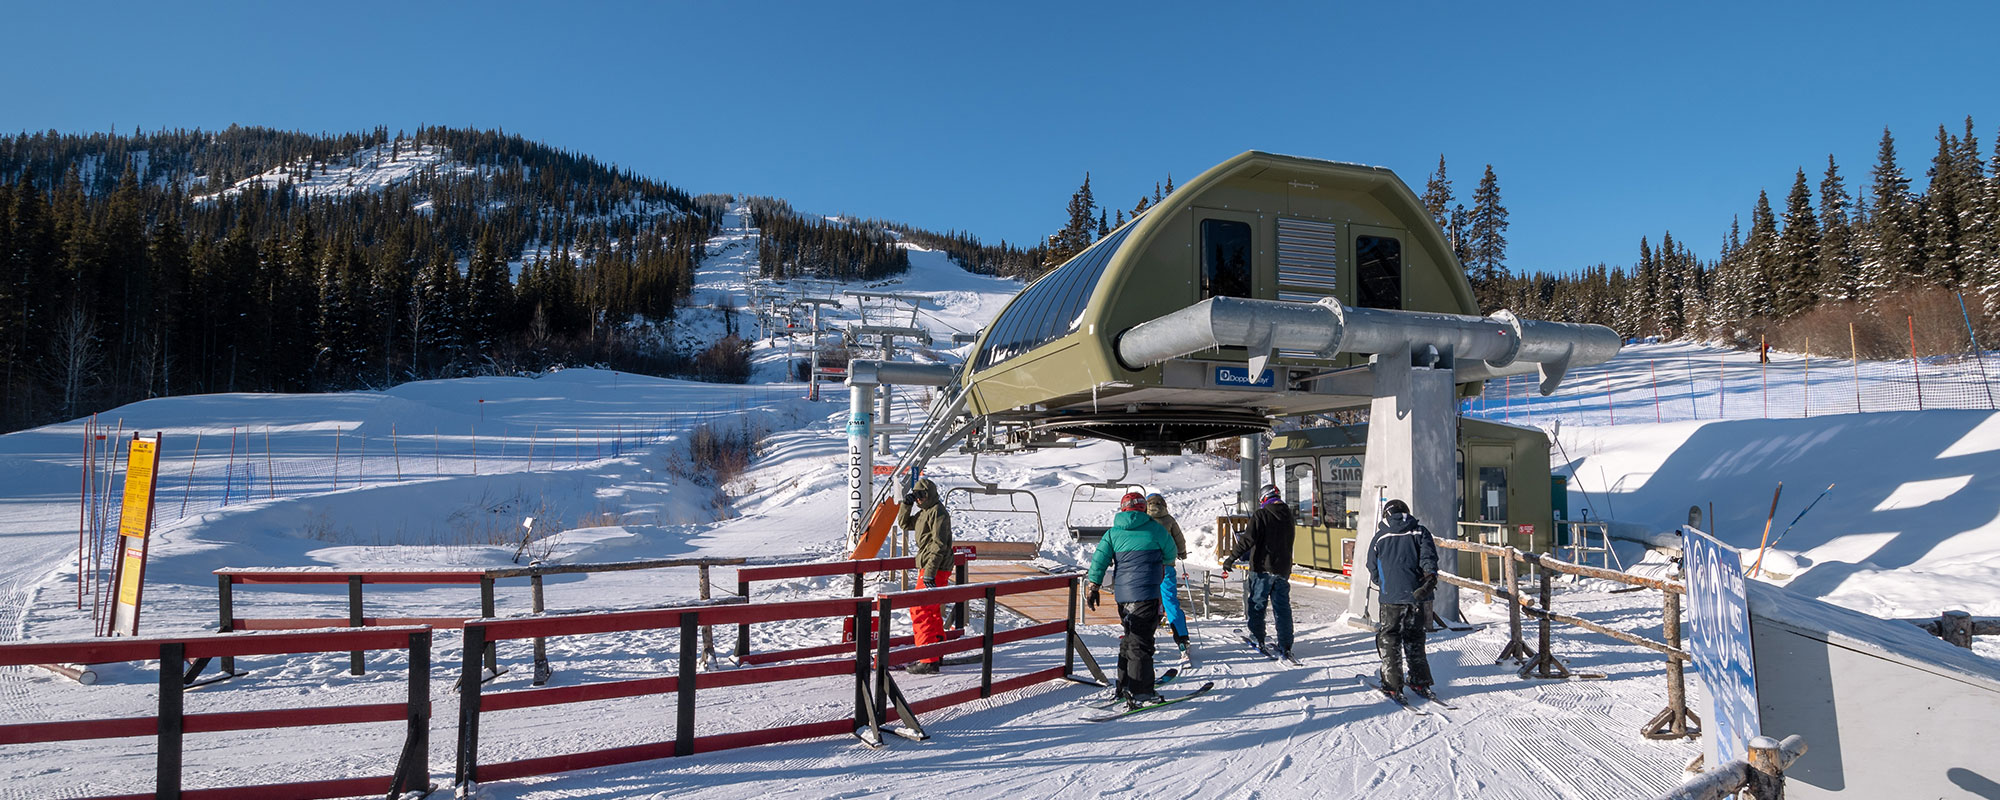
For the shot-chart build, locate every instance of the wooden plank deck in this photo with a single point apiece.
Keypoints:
(1044, 606)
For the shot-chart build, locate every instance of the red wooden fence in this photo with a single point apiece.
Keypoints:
(173, 723)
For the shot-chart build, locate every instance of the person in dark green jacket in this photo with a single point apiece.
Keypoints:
(927, 521)
(1142, 551)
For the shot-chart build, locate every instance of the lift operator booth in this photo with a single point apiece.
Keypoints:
(1503, 489)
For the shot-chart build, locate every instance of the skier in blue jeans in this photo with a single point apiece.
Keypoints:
(1267, 547)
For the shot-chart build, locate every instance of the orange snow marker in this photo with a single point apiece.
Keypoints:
(877, 530)
(1758, 568)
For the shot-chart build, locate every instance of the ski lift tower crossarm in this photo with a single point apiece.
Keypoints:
(812, 376)
(861, 299)
(886, 336)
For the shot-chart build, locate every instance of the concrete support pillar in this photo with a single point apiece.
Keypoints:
(1252, 449)
(860, 458)
(1412, 456)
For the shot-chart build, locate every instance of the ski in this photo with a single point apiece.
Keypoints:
(1164, 679)
(1404, 702)
(1431, 695)
(1269, 653)
(1162, 704)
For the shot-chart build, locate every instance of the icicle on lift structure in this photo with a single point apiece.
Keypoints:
(1269, 286)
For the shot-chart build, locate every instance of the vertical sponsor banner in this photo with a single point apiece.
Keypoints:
(135, 526)
(1719, 616)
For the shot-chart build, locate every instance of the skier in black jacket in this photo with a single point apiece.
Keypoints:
(1268, 548)
(1402, 564)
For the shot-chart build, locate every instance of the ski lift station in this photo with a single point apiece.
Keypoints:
(1267, 287)
(1503, 486)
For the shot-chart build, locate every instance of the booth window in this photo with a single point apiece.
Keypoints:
(1225, 258)
(1378, 266)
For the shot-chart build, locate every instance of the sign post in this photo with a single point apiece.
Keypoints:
(1719, 614)
(135, 526)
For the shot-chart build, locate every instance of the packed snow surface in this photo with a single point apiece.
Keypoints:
(600, 459)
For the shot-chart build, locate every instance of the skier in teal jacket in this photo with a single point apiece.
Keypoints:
(1142, 550)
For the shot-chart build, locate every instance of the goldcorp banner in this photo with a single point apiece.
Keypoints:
(135, 527)
(1719, 616)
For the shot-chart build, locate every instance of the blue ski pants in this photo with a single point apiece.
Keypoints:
(1275, 590)
(1170, 602)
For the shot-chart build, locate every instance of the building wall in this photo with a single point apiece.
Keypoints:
(1878, 723)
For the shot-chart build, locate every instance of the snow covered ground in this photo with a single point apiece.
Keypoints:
(1909, 530)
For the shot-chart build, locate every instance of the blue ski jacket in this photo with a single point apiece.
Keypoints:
(1399, 559)
(1142, 550)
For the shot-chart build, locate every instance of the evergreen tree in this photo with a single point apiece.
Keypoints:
(1836, 267)
(1760, 262)
(1797, 262)
(1437, 197)
(1941, 206)
(173, 277)
(1487, 238)
(296, 343)
(1889, 248)
(1081, 229)
(489, 297)
(435, 313)
(1988, 248)
(1645, 293)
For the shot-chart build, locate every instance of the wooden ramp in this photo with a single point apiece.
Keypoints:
(1044, 606)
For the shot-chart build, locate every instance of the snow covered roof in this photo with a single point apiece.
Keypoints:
(1892, 639)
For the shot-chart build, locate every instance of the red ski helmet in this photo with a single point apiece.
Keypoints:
(1132, 501)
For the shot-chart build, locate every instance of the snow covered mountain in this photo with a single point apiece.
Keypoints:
(441, 474)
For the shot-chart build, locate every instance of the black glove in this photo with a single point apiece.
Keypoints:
(1090, 600)
(1426, 586)
(1227, 563)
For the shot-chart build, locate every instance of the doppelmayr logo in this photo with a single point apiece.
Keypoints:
(1240, 376)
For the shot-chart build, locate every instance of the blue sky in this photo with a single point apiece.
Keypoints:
(1603, 121)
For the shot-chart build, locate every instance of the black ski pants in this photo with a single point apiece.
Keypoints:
(1399, 639)
(1135, 648)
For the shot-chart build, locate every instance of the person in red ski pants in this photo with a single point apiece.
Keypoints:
(924, 516)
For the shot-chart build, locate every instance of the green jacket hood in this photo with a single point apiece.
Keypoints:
(1131, 520)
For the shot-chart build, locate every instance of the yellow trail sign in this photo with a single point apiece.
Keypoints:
(135, 526)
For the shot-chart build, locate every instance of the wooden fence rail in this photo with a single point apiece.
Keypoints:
(1760, 777)
(228, 578)
(173, 723)
(866, 660)
(859, 569)
(1676, 720)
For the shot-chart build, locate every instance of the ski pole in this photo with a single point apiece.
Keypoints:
(1802, 515)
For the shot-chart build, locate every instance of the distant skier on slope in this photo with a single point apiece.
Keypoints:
(1403, 565)
(1170, 596)
(1142, 549)
(924, 516)
(1268, 546)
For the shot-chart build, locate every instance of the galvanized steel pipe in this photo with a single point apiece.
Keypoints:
(1478, 347)
(899, 373)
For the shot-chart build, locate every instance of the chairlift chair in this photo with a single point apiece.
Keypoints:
(1117, 486)
(968, 502)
